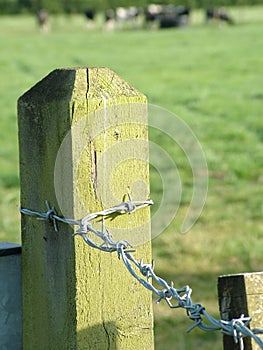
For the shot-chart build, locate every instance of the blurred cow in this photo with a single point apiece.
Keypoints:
(153, 12)
(127, 16)
(109, 17)
(167, 16)
(90, 15)
(218, 14)
(42, 18)
(183, 12)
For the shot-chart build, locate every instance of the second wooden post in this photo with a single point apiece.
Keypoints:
(241, 294)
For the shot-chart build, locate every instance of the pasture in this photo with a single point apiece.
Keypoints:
(209, 76)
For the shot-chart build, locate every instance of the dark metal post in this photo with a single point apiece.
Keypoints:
(10, 296)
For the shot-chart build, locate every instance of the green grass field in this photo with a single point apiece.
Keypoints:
(209, 76)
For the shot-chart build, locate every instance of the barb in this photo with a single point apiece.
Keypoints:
(175, 298)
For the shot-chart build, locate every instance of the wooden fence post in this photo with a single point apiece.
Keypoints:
(76, 297)
(241, 294)
(10, 296)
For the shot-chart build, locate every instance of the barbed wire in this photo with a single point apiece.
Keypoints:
(237, 328)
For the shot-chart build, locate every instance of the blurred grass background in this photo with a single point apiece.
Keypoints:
(209, 76)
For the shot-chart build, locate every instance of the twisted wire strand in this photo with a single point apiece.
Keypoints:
(237, 328)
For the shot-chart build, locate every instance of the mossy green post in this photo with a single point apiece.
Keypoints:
(241, 294)
(76, 297)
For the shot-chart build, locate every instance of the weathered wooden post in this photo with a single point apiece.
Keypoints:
(10, 296)
(241, 294)
(74, 128)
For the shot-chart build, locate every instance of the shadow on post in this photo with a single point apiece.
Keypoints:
(99, 336)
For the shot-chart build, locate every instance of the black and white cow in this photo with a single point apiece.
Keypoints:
(218, 14)
(127, 17)
(42, 18)
(167, 16)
